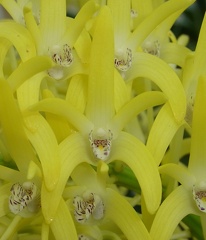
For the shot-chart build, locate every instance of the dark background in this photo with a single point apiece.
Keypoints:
(190, 22)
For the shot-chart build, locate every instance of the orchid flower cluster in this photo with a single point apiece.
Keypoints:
(96, 114)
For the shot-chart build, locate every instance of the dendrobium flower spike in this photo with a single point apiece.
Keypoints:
(101, 121)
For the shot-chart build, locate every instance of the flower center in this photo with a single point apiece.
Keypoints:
(62, 57)
(123, 61)
(199, 195)
(100, 142)
(24, 199)
(87, 206)
(152, 47)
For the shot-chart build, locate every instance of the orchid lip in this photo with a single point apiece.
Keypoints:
(100, 142)
(88, 205)
(24, 197)
(124, 61)
(199, 195)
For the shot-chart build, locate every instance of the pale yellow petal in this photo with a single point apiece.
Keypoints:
(133, 108)
(29, 92)
(100, 106)
(32, 26)
(146, 65)
(174, 53)
(64, 109)
(63, 226)
(180, 173)
(74, 31)
(15, 138)
(4, 46)
(59, 125)
(178, 205)
(132, 152)
(10, 175)
(121, 20)
(121, 92)
(45, 144)
(52, 22)
(83, 46)
(4, 200)
(12, 228)
(126, 218)
(28, 69)
(45, 231)
(197, 163)
(162, 132)
(142, 9)
(78, 84)
(73, 151)
(19, 37)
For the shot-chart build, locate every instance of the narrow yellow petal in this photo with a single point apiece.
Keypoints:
(4, 47)
(180, 173)
(121, 93)
(85, 13)
(83, 46)
(59, 125)
(52, 22)
(4, 193)
(10, 175)
(122, 20)
(178, 205)
(133, 108)
(161, 135)
(100, 106)
(19, 37)
(78, 84)
(32, 25)
(122, 213)
(63, 226)
(132, 152)
(142, 8)
(45, 144)
(174, 53)
(197, 164)
(64, 109)
(12, 228)
(146, 65)
(13, 129)
(28, 69)
(45, 231)
(73, 151)
(84, 175)
(29, 92)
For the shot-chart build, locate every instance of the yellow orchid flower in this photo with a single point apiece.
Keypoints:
(94, 202)
(100, 131)
(189, 198)
(21, 191)
(37, 38)
(20, 187)
(127, 42)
